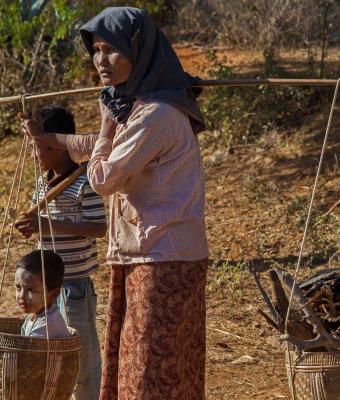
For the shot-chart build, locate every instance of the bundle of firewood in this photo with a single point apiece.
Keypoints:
(314, 317)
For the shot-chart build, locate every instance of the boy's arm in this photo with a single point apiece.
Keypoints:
(93, 222)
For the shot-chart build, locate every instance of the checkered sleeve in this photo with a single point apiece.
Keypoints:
(80, 146)
(113, 163)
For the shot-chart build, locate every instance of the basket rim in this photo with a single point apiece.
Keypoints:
(10, 342)
(313, 361)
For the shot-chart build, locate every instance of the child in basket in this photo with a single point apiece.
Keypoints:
(30, 294)
(78, 218)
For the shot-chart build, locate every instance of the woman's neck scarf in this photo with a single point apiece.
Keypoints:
(157, 73)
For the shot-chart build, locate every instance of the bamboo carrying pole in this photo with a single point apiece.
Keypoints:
(202, 83)
(53, 193)
(56, 190)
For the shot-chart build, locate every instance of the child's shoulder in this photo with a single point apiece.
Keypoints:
(81, 184)
(83, 179)
(85, 190)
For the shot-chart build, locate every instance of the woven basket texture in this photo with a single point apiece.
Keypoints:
(26, 363)
(315, 375)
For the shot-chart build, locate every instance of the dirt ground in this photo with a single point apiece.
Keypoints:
(257, 196)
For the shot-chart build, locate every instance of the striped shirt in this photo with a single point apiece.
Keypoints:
(77, 203)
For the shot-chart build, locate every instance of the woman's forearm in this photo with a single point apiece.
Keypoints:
(54, 140)
(85, 229)
(78, 146)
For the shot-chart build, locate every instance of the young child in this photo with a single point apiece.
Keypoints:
(78, 217)
(30, 294)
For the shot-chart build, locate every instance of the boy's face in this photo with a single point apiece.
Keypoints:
(30, 292)
(49, 158)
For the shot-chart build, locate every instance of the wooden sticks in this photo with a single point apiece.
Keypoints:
(202, 83)
(54, 192)
(306, 329)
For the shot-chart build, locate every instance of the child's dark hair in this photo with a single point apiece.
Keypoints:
(57, 120)
(54, 267)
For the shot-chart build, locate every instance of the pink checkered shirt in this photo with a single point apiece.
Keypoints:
(152, 171)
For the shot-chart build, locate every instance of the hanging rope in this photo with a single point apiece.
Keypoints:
(41, 240)
(323, 150)
(43, 396)
(13, 211)
(21, 161)
(20, 166)
(23, 143)
(43, 185)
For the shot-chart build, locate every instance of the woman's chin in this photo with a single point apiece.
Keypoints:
(107, 81)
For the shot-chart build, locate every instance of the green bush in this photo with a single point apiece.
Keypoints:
(40, 48)
(243, 114)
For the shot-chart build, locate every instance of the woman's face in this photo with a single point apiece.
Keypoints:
(113, 67)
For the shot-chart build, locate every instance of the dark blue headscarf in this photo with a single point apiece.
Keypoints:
(157, 72)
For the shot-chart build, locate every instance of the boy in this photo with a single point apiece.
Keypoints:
(30, 294)
(78, 217)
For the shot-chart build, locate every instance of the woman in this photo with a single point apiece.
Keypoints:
(147, 160)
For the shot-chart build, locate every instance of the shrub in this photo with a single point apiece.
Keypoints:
(243, 114)
(40, 49)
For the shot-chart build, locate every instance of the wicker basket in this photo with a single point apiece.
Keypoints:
(315, 376)
(23, 364)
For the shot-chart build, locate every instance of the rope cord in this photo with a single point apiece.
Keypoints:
(12, 187)
(14, 99)
(13, 210)
(43, 274)
(51, 231)
(47, 207)
(323, 150)
(21, 160)
(45, 394)
(41, 241)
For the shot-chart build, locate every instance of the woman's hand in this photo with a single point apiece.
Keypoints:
(32, 126)
(108, 127)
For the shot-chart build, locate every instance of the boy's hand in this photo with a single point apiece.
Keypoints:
(31, 125)
(27, 224)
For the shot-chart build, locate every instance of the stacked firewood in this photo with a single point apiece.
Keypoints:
(314, 317)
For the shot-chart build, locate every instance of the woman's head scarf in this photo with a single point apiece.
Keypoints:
(157, 73)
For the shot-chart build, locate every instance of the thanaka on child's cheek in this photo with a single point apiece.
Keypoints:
(29, 291)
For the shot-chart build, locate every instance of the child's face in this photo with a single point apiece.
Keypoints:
(30, 292)
(49, 157)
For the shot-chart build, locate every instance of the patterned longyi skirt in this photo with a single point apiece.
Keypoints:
(155, 338)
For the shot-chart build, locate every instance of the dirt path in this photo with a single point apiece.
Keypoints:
(256, 203)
